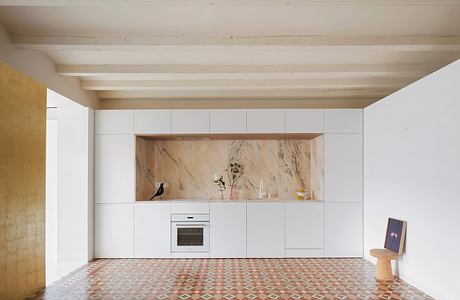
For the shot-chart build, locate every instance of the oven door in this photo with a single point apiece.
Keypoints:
(190, 237)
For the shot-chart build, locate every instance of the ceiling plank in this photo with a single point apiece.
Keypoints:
(286, 42)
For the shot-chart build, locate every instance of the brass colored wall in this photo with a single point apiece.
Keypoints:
(22, 184)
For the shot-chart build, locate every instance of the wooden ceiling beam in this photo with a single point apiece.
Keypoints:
(240, 43)
(223, 2)
(266, 93)
(204, 72)
(335, 83)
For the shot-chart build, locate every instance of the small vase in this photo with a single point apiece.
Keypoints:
(233, 193)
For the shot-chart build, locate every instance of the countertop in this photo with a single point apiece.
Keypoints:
(215, 200)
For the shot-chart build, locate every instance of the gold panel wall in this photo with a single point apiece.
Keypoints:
(22, 184)
(188, 166)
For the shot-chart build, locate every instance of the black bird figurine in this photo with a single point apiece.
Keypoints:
(159, 191)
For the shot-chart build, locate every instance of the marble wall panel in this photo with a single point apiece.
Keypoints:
(188, 166)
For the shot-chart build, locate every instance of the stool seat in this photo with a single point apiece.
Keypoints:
(384, 257)
(383, 253)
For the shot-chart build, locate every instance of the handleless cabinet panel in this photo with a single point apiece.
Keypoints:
(228, 120)
(152, 121)
(343, 230)
(265, 120)
(190, 207)
(343, 120)
(228, 229)
(114, 230)
(190, 121)
(304, 120)
(114, 121)
(265, 229)
(152, 230)
(343, 167)
(304, 225)
(114, 168)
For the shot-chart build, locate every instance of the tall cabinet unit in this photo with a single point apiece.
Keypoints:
(114, 183)
(343, 183)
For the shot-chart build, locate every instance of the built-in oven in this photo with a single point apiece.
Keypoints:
(190, 233)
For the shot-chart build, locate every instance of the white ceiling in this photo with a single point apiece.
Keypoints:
(354, 51)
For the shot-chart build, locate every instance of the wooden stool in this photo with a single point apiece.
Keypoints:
(384, 258)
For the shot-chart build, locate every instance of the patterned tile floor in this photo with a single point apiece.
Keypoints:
(227, 279)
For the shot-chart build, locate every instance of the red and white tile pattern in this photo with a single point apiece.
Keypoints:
(227, 279)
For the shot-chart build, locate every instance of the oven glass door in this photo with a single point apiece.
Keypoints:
(190, 237)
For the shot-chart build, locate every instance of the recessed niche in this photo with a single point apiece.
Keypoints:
(187, 163)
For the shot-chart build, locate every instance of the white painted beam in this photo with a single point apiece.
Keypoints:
(285, 42)
(337, 83)
(246, 93)
(203, 72)
(223, 2)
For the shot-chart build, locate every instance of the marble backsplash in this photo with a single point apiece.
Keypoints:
(188, 166)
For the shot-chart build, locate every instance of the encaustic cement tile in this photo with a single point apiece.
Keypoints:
(227, 279)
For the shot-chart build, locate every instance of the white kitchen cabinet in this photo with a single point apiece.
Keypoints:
(191, 206)
(265, 120)
(343, 167)
(228, 120)
(228, 229)
(114, 230)
(343, 120)
(343, 230)
(114, 168)
(304, 120)
(265, 229)
(114, 121)
(304, 225)
(190, 121)
(152, 121)
(152, 229)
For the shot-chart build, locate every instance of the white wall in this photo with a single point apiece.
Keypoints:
(412, 172)
(40, 67)
(51, 186)
(75, 179)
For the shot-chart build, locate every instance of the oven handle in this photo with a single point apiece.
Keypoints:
(190, 224)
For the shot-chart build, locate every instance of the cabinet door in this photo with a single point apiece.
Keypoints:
(343, 230)
(152, 121)
(343, 167)
(305, 120)
(190, 121)
(265, 230)
(114, 121)
(304, 225)
(228, 121)
(265, 120)
(228, 230)
(152, 230)
(114, 168)
(343, 120)
(114, 230)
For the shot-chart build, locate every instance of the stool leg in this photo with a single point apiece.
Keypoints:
(384, 271)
